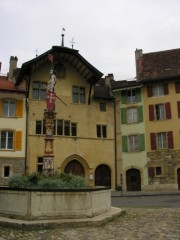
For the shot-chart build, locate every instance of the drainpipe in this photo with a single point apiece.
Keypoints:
(115, 143)
(27, 116)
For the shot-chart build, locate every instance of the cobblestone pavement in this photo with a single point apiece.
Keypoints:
(137, 223)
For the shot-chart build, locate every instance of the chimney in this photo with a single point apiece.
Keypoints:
(109, 79)
(12, 66)
(138, 59)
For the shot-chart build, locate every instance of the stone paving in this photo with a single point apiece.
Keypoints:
(137, 223)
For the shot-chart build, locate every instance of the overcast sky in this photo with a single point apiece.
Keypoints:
(106, 32)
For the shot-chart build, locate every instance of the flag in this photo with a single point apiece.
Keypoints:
(50, 57)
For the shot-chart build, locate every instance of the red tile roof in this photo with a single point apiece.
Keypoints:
(159, 65)
(6, 84)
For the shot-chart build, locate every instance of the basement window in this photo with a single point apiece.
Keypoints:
(6, 172)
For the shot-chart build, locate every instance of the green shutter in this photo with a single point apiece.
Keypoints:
(142, 142)
(138, 94)
(123, 97)
(123, 115)
(124, 144)
(140, 114)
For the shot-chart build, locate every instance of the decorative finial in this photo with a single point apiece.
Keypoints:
(72, 42)
(62, 43)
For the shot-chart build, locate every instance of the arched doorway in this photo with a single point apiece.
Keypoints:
(178, 178)
(103, 176)
(75, 167)
(133, 180)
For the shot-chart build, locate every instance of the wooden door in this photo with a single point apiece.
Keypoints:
(75, 168)
(133, 180)
(103, 176)
(178, 178)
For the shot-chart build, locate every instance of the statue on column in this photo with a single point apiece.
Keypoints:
(50, 93)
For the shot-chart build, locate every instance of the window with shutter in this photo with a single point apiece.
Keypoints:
(162, 140)
(170, 140)
(177, 87)
(123, 97)
(160, 111)
(178, 108)
(123, 116)
(140, 114)
(138, 94)
(151, 112)
(124, 144)
(133, 143)
(168, 110)
(149, 91)
(19, 108)
(158, 90)
(18, 140)
(153, 141)
(166, 89)
(6, 140)
(142, 142)
(8, 108)
(0, 107)
(132, 115)
(131, 95)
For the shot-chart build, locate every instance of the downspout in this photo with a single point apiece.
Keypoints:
(115, 143)
(27, 116)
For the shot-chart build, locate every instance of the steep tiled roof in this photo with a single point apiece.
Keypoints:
(61, 54)
(8, 85)
(159, 65)
(124, 84)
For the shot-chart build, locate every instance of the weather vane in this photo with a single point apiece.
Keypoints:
(72, 42)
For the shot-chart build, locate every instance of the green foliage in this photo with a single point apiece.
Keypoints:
(19, 181)
(57, 181)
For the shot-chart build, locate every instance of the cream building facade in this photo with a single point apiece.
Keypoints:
(12, 127)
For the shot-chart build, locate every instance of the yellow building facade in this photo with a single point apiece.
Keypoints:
(84, 125)
(159, 74)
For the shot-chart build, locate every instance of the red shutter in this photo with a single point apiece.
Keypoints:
(177, 87)
(153, 141)
(149, 91)
(151, 112)
(178, 108)
(170, 140)
(166, 90)
(168, 110)
(151, 172)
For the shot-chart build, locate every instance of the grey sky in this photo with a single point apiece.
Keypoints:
(106, 32)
